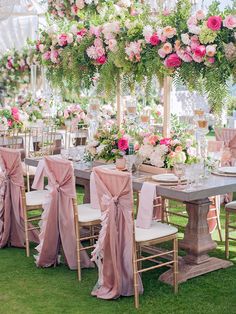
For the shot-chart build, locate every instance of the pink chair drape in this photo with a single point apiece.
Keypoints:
(57, 225)
(11, 208)
(113, 251)
(228, 136)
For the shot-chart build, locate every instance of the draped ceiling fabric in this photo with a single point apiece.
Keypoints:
(20, 22)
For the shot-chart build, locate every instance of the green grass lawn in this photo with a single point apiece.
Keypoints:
(27, 289)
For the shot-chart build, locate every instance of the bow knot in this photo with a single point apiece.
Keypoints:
(107, 200)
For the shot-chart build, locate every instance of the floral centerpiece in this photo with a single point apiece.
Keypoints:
(109, 144)
(11, 118)
(75, 116)
(165, 152)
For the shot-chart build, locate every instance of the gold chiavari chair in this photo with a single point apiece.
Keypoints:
(230, 226)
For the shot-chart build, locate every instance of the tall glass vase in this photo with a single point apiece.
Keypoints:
(33, 79)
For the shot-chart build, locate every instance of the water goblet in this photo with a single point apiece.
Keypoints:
(179, 170)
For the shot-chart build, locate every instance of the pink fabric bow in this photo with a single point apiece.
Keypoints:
(58, 218)
(113, 251)
(11, 208)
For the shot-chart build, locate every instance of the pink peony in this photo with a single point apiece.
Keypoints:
(200, 51)
(200, 15)
(197, 59)
(101, 60)
(214, 23)
(230, 21)
(165, 141)
(154, 40)
(47, 55)
(123, 144)
(62, 40)
(153, 139)
(173, 61)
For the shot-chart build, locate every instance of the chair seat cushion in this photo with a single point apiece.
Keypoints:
(231, 205)
(156, 231)
(88, 214)
(35, 198)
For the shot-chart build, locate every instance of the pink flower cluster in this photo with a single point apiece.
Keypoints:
(97, 52)
(133, 50)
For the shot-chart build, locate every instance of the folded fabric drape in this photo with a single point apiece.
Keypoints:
(93, 193)
(11, 207)
(113, 251)
(57, 225)
(145, 209)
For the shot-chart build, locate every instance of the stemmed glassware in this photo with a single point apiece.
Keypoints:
(179, 169)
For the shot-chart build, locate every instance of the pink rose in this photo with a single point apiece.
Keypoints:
(178, 149)
(197, 59)
(153, 139)
(123, 144)
(200, 51)
(211, 60)
(161, 53)
(136, 146)
(200, 15)
(62, 40)
(47, 55)
(165, 141)
(173, 61)
(154, 40)
(230, 21)
(192, 21)
(9, 122)
(214, 22)
(74, 9)
(167, 48)
(101, 60)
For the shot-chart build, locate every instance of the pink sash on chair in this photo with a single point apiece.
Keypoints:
(58, 218)
(113, 251)
(11, 208)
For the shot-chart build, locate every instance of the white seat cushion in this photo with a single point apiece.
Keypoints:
(157, 230)
(88, 214)
(231, 205)
(35, 198)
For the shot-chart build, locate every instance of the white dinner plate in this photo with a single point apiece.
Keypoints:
(227, 169)
(166, 177)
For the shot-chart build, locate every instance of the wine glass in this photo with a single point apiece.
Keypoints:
(179, 170)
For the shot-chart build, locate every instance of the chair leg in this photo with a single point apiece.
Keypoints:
(135, 271)
(227, 234)
(219, 226)
(175, 274)
(27, 246)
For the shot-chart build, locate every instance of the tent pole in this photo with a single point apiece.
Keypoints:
(166, 118)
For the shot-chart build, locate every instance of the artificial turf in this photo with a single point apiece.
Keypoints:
(27, 289)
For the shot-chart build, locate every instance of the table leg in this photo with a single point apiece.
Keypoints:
(197, 243)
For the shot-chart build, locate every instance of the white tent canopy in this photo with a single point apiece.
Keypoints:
(19, 20)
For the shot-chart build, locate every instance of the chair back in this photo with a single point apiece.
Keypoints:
(58, 217)
(215, 146)
(11, 207)
(13, 139)
(113, 251)
(43, 141)
(225, 135)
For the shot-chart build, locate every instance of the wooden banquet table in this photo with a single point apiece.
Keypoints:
(197, 241)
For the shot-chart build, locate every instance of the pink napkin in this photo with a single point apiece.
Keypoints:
(145, 209)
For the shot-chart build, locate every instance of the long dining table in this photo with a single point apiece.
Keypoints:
(197, 241)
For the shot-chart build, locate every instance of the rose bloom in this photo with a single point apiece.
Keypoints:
(47, 55)
(200, 51)
(161, 53)
(197, 59)
(173, 61)
(211, 50)
(172, 154)
(211, 60)
(177, 44)
(200, 15)
(214, 23)
(154, 40)
(178, 149)
(230, 21)
(101, 60)
(112, 44)
(167, 48)
(165, 141)
(153, 139)
(169, 31)
(123, 144)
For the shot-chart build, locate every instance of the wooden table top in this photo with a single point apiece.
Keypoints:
(214, 185)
